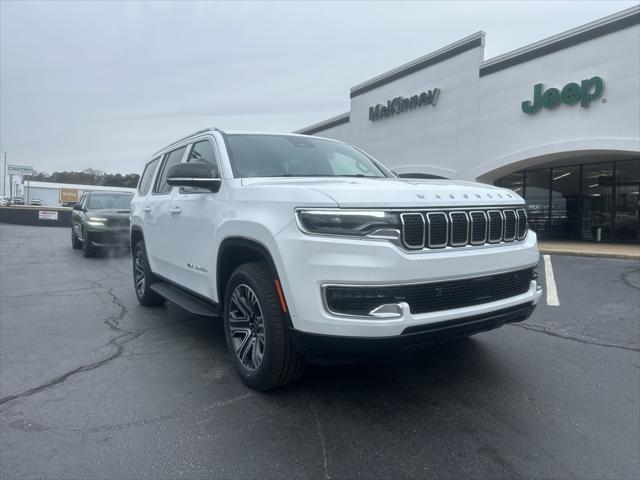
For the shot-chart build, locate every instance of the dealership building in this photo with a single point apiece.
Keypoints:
(557, 121)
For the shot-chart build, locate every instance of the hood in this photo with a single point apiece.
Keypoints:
(398, 193)
(109, 212)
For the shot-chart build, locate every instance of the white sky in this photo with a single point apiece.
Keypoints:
(104, 85)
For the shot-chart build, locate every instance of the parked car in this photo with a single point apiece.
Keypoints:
(311, 250)
(68, 204)
(100, 219)
(17, 201)
(4, 201)
(36, 202)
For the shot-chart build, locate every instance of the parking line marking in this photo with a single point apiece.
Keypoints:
(552, 292)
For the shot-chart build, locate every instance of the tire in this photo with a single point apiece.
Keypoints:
(143, 277)
(87, 249)
(261, 321)
(76, 244)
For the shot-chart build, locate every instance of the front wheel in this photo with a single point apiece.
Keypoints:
(257, 337)
(88, 250)
(76, 244)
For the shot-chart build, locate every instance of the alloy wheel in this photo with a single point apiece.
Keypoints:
(246, 325)
(138, 273)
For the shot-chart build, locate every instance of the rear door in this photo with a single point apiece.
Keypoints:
(158, 234)
(197, 211)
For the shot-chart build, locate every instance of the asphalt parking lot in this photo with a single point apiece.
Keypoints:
(93, 385)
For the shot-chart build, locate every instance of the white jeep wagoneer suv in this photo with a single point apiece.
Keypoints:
(312, 250)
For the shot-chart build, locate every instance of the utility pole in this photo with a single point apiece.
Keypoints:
(4, 175)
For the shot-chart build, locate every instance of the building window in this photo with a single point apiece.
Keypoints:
(597, 202)
(591, 202)
(565, 203)
(537, 197)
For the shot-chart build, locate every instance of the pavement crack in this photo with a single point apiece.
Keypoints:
(627, 281)
(83, 368)
(323, 443)
(113, 321)
(573, 339)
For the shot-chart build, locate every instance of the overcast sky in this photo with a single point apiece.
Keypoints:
(104, 85)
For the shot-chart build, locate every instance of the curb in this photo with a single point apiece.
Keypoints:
(570, 253)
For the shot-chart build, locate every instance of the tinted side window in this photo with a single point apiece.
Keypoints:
(147, 175)
(172, 159)
(204, 152)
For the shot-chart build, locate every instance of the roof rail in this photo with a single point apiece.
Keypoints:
(204, 130)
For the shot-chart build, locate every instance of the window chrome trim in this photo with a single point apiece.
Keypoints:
(451, 224)
(402, 230)
(486, 227)
(446, 230)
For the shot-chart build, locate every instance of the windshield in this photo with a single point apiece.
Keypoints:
(109, 200)
(292, 156)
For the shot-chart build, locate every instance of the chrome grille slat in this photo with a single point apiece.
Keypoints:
(495, 226)
(478, 224)
(459, 229)
(462, 227)
(510, 225)
(437, 229)
(413, 230)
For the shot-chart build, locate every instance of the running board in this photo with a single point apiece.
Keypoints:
(190, 303)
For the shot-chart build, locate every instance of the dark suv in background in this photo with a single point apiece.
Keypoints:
(100, 219)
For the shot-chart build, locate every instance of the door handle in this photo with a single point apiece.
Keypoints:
(146, 209)
(175, 210)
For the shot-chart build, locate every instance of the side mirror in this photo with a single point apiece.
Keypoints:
(194, 174)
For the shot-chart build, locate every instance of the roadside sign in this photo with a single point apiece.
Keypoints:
(68, 195)
(19, 170)
(47, 215)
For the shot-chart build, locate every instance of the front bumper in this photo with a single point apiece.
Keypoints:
(306, 263)
(328, 347)
(109, 237)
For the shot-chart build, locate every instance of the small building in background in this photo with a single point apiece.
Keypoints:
(57, 194)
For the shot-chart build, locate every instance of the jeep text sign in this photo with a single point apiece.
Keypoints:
(572, 93)
(402, 104)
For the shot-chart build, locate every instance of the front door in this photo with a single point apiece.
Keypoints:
(197, 212)
(160, 237)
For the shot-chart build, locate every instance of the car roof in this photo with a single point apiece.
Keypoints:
(233, 132)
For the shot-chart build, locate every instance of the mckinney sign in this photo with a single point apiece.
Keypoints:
(401, 104)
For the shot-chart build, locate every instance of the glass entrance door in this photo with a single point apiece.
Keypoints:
(628, 213)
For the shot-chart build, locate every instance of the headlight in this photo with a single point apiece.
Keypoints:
(96, 221)
(347, 222)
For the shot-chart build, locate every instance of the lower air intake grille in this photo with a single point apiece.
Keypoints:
(429, 297)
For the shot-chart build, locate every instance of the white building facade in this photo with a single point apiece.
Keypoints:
(557, 121)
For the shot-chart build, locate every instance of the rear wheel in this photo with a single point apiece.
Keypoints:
(87, 249)
(257, 337)
(76, 244)
(143, 277)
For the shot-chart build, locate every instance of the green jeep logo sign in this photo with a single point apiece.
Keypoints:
(571, 93)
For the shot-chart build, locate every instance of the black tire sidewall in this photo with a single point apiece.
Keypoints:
(271, 314)
(149, 297)
(87, 248)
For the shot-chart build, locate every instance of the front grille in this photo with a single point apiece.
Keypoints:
(429, 297)
(459, 228)
(118, 222)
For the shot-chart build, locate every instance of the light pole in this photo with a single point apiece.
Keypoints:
(4, 176)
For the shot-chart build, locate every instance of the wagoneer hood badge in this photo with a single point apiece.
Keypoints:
(394, 193)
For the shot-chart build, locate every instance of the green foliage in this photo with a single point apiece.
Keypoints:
(88, 177)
